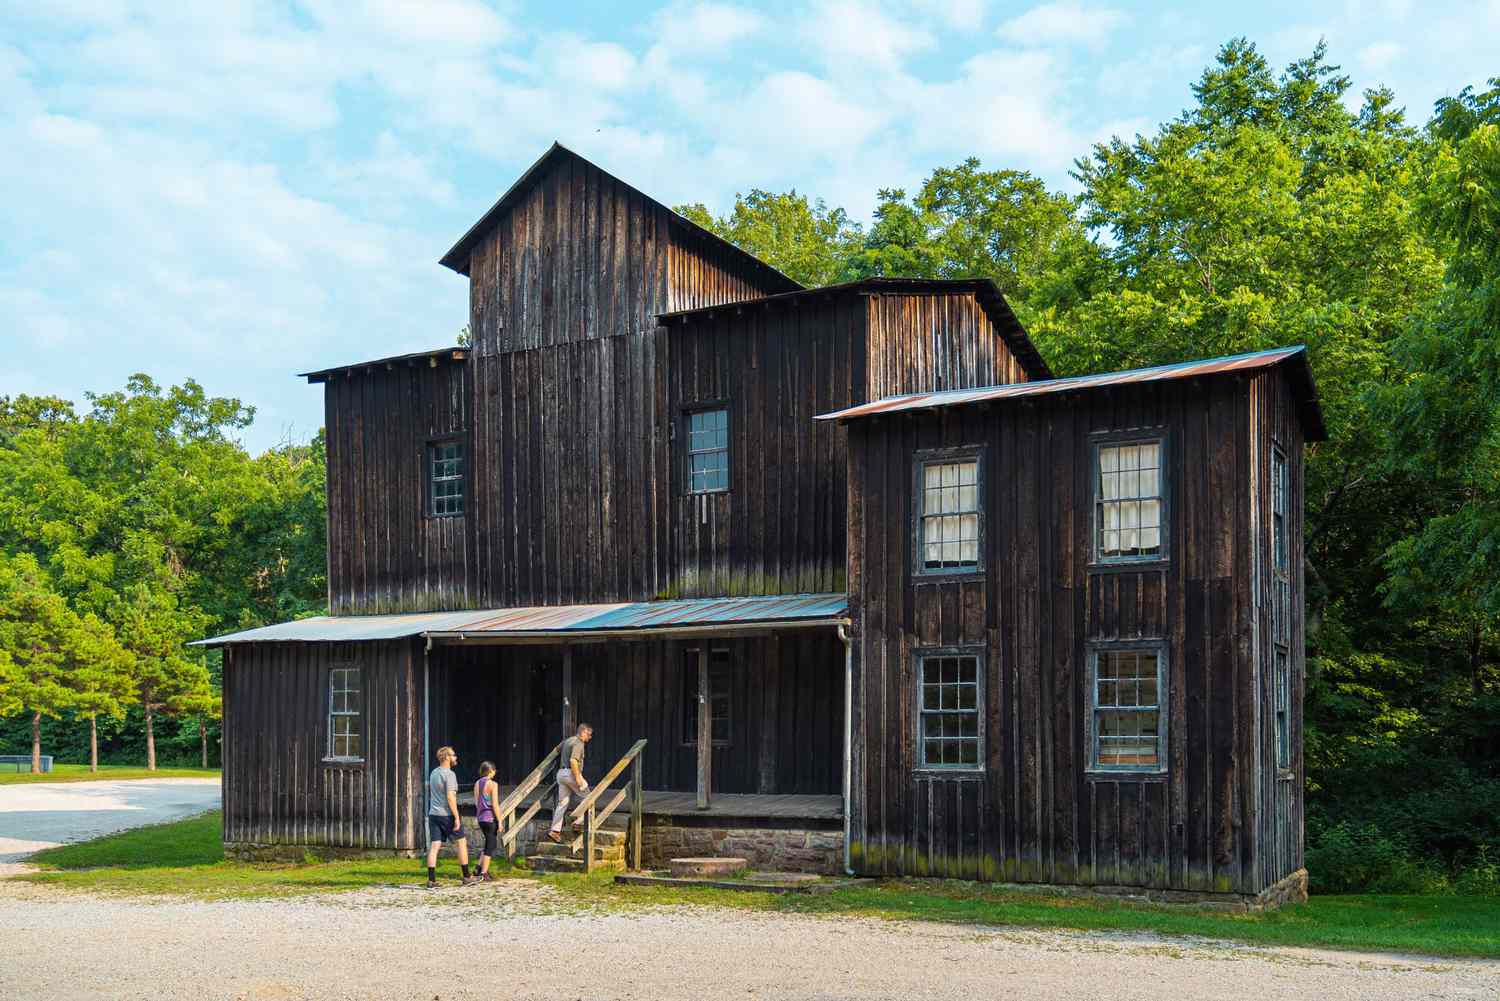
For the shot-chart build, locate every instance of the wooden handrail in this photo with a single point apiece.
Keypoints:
(529, 783)
(609, 777)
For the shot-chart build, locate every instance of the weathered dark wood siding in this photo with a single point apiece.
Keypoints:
(1034, 814)
(922, 343)
(504, 704)
(581, 256)
(278, 787)
(385, 553)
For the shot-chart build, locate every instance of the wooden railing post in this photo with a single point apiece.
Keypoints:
(637, 808)
(510, 845)
(588, 841)
(705, 730)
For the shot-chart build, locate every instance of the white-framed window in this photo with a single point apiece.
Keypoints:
(445, 478)
(950, 518)
(346, 714)
(1127, 708)
(720, 675)
(950, 718)
(1129, 500)
(708, 450)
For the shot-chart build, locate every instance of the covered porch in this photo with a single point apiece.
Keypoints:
(762, 679)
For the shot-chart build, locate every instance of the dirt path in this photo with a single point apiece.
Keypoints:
(408, 944)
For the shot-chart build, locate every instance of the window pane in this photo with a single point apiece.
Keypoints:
(1127, 715)
(708, 451)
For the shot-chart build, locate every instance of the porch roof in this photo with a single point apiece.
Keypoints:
(558, 621)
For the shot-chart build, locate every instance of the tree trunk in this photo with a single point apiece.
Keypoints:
(93, 742)
(150, 737)
(36, 743)
(203, 740)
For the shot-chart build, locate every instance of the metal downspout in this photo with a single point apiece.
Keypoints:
(848, 737)
(426, 742)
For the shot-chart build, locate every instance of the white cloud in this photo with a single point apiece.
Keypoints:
(704, 29)
(966, 15)
(1379, 55)
(1063, 23)
(849, 33)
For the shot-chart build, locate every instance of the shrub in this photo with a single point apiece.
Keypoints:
(1344, 858)
(1480, 877)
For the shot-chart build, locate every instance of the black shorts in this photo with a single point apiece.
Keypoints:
(490, 829)
(442, 829)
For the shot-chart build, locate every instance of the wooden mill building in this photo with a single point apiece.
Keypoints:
(876, 589)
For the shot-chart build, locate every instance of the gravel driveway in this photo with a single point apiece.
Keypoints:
(406, 944)
(44, 814)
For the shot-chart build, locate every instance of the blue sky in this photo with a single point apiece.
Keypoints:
(238, 191)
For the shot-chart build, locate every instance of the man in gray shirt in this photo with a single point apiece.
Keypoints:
(443, 823)
(570, 780)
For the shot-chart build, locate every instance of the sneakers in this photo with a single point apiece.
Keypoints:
(432, 884)
(555, 837)
(487, 878)
(470, 880)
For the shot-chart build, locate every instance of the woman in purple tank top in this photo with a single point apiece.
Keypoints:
(486, 794)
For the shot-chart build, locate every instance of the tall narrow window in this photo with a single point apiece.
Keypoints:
(1280, 558)
(1128, 727)
(1283, 681)
(345, 714)
(720, 673)
(948, 521)
(949, 693)
(1128, 504)
(708, 451)
(445, 478)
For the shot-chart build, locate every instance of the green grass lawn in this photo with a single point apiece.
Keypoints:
(81, 773)
(186, 857)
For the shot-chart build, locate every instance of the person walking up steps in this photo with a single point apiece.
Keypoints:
(486, 794)
(443, 823)
(570, 780)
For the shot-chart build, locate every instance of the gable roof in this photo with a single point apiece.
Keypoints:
(458, 257)
(983, 289)
(1295, 358)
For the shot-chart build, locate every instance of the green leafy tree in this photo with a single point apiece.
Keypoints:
(45, 646)
(807, 241)
(154, 627)
(101, 682)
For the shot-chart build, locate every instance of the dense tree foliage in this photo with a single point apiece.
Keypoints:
(142, 524)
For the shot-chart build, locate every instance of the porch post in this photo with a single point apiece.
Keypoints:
(705, 729)
(569, 710)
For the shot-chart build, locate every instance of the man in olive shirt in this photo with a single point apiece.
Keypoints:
(443, 822)
(570, 780)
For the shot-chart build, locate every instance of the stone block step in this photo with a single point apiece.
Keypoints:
(710, 866)
(552, 863)
(546, 849)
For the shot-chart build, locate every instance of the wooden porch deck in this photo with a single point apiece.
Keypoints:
(684, 805)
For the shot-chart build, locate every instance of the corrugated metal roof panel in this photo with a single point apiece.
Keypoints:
(559, 619)
(1312, 412)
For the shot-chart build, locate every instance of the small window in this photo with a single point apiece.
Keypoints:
(948, 523)
(445, 476)
(346, 706)
(1281, 578)
(1283, 710)
(1128, 501)
(719, 674)
(949, 693)
(708, 451)
(1128, 731)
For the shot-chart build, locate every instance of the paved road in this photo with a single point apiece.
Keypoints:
(41, 815)
(521, 939)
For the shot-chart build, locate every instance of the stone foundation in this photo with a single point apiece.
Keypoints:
(820, 852)
(1291, 890)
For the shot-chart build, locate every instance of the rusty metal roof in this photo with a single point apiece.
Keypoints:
(983, 289)
(1296, 357)
(760, 611)
(429, 358)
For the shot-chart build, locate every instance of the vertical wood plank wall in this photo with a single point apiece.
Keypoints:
(931, 342)
(384, 553)
(1034, 814)
(504, 704)
(278, 788)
